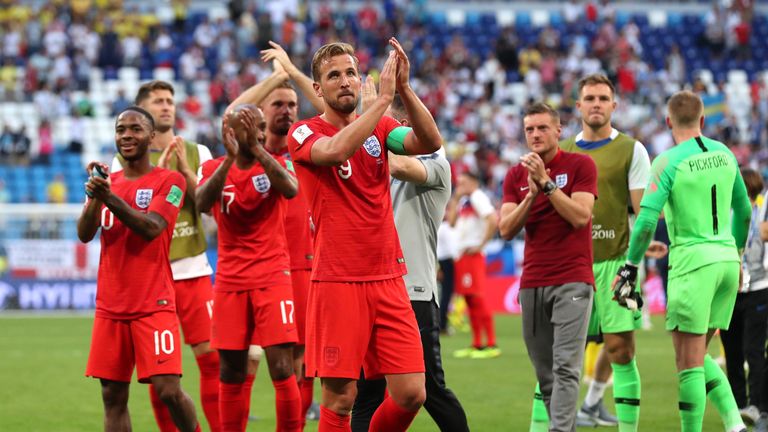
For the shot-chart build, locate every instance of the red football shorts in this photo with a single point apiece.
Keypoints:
(151, 343)
(369, 324)
(469, 276)
(263, 316)
(194, 305)
(300, 282)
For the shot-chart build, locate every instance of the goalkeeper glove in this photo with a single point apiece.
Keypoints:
(624, 289)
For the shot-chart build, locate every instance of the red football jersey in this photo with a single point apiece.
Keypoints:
(297, 228)
(251, 217)
(135, 276)
(555, 252)
(355, 236)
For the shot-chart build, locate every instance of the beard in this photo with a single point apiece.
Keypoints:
(343, 107)
(281, 128)
(163, 128)
(597, 124)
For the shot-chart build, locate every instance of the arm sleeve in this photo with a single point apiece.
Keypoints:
(654, 198)
(742, 212)
(170, 198)
(204, 155)
(116, 165)
(640, 168)
(300, 140)
(509, 190)
(481, 203)
(657, 192)
(438, 171)
(206, 171)
(642, 234)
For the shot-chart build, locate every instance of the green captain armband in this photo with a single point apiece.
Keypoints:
(396, 140)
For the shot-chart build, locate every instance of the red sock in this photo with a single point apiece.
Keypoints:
(306, 387)
(209, 388)
(197, 428)
(332, 422)
(485, 320)
(490, 330)
(390, 417)
(162, 415)
(475, 320)
(247, 387)
(231, 407)
(288, 404)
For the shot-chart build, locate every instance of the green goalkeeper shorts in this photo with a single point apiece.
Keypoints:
(702, 299)
(607, 315)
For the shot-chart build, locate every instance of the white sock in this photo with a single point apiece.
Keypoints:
(595, 393)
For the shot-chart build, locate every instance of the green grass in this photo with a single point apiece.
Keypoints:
(42, 387)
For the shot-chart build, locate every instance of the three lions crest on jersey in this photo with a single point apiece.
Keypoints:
(372, 146)
(143, 198)
(261, 183)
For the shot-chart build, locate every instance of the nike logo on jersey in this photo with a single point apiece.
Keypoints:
(577, 298)
(161, 361)
(523, 188)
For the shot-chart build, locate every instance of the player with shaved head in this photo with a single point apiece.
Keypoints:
(135, 323)
(246, 191)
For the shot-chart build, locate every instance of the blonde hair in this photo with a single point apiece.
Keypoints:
(685, 109)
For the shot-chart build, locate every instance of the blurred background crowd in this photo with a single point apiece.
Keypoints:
(67, 66)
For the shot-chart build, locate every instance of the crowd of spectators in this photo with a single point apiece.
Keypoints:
(469, 79)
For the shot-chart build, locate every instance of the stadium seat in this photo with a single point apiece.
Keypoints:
(505, 17)
(657, 18)
(540, 18)
(522, 20)
(455, 17)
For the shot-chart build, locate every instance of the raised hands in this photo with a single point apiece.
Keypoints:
(369, 93)
(177, 148)
(403, 64)
(388, 78)
(230, 142)
(98, 187)
(281, 62)
(248, 120)
(535, 166)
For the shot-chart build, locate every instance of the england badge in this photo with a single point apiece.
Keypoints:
(143, 198)
(261, 183)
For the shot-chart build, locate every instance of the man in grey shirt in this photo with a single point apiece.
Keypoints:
(420, 189)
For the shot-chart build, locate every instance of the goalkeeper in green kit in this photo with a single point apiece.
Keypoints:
(697, 183)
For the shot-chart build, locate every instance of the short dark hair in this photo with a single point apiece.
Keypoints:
(753, 181)
(542, 108)
(596, 79)
(139, 110)
(149, 87)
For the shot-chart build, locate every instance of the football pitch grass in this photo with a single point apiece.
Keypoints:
(42, 387)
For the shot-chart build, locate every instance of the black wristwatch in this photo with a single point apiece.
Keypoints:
(549, 188)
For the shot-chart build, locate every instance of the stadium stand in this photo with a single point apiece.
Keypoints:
(475, 66)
